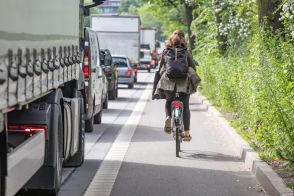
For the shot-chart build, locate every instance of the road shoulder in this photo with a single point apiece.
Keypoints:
(267, 177)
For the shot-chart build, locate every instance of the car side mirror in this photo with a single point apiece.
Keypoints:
(102, 58)
(108, 60)
(134, 65)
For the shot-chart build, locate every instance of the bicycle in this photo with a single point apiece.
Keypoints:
(177, 124)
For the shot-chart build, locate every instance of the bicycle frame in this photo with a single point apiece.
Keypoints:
(177, 122)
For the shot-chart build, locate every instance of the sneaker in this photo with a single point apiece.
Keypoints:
(167, 125)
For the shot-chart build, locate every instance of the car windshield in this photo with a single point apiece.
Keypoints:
(119, 62)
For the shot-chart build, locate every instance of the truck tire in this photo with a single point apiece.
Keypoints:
(59, 157)
(3, 161)
(2, 181)
(78, 159)
(98, 118)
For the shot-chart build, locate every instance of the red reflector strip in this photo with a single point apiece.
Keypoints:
(29, 129)
(177, 104)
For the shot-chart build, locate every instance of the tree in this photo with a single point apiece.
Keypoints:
(269, 14)
(221, 38)
(184, 12)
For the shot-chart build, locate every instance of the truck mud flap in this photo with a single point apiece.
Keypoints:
(3, 83)
(24, 161)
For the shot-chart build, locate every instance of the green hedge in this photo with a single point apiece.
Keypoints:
(255, 83)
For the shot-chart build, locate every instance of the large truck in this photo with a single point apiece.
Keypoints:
(148, 38)
(119, 34)
(41, 92)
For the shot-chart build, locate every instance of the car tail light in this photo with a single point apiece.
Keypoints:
(177, 104)
(29, 129)
(128, 72)
(86, 68)
(109, 72)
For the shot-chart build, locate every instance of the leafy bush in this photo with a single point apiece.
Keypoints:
(256, 82)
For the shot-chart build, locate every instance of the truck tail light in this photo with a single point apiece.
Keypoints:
(29, 129)
(86, 69)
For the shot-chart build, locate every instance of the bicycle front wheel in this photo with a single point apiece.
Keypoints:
(178, 142)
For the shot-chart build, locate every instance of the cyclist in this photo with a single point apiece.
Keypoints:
(167, 87)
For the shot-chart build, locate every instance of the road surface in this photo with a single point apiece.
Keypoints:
(129, 154)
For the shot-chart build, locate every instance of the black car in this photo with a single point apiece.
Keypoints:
(110, 72)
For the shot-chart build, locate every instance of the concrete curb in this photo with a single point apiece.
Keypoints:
(268, 178)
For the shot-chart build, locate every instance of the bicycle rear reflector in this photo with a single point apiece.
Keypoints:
(177, 104)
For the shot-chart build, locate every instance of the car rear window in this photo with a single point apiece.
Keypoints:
(119, 62)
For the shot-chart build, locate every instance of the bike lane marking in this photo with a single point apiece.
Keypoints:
(106, 174)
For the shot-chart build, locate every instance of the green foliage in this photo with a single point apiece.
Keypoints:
(94, 10)
(129, 7)
(257, 85)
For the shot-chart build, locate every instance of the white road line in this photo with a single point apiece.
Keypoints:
(105, 177)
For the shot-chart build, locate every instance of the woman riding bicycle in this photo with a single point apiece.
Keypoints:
(167, 87)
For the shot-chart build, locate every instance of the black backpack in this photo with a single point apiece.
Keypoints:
(176, 63)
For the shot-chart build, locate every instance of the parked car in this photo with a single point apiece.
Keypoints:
(126, 74)
(95, 80)
(111, 73)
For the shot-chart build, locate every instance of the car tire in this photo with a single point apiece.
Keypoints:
(130, 86)
(89, 125)
(112, 94)
(98, 118)
(105, 103)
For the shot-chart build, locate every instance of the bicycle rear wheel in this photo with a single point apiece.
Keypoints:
(178, 142)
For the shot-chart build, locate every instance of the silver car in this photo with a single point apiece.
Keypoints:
(126, 74)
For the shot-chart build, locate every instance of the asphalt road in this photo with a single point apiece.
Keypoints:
(130, 155)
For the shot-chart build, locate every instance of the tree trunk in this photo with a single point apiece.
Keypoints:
(221, 39)
(189, 19)
(269, 13)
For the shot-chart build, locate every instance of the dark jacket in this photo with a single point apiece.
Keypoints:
(187, 85)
